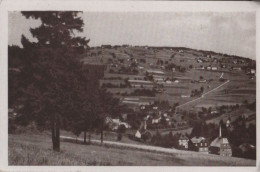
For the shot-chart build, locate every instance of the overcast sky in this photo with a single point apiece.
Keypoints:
(231, 33)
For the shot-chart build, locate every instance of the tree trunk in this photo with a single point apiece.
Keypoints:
(89, 135)
(85, 135)
(55, 131)
(102, 132)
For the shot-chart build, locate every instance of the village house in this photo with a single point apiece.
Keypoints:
(214, 68)
(236, 68)
(143, 133)
(220, 145)
(183, 142)
(155, 72)
(115, 123)
(199, 144)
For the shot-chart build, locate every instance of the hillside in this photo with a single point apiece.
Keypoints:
(36, 150)
(184, 70)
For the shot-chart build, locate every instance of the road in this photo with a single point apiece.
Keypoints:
(178, 153)
(202, 96)
(127, 145)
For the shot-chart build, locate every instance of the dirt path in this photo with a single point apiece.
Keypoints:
(202, 96)
(171, 151)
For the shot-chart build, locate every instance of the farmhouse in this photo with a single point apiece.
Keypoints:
(140, 83)
(155, 72)
(236, 68)
(183, 142)
(199, 144)
(115, 123)
(220, 145)
(214, 68)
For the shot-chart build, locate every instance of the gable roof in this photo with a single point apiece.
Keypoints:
(183, 137)
(218, 141)
(197, 139)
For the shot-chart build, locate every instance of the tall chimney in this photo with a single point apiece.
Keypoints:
(220, 134)
(145, 124)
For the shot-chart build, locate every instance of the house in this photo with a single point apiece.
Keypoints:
(245, 147)
(143, 133)
(244, 116)
(156, 121)
(228, 123)
(115, 123)
(183, 142)
(214, 68)
(185, 96)
(200, 144)
(214, 112)
(203, 81)
(237, 68)
(220, 145)
(155, 72)
(199, 61)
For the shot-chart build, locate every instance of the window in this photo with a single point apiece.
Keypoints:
(205, 144)
(201, 144)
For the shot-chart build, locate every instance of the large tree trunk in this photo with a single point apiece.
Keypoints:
(55, 131)
(102, 128)
(85, 135)
(89, 135)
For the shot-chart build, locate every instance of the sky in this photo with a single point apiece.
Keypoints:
(232, 33)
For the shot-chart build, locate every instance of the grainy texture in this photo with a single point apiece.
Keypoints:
(36, 150)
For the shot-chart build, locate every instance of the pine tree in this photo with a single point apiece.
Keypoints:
(52, 80)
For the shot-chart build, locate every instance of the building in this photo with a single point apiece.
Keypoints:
(183, 142)
(237, 68)
(214, 68)
(200, 144)
(115, 123)
(155, 72)
(228, 123)
(220, 146)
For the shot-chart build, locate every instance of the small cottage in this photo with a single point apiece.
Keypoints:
(183, 142)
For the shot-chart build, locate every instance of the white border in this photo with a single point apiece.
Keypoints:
(108, 6)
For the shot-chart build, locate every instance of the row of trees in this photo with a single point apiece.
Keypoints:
(50, 85)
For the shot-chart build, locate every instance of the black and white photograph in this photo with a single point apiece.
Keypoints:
(131, 88)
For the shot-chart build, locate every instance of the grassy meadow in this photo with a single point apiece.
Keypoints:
(36, 149)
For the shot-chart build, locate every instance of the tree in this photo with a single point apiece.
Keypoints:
(51, 79)
(107, 105)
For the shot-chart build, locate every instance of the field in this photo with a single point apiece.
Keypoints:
(239, 89)
(35, 149)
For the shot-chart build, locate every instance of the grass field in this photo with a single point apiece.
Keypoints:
(36, 150)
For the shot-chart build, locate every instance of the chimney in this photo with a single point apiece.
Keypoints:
(220, 134)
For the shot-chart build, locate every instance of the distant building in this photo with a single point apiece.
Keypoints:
(200, 144)
(183, 142)
(220, 145)
(237, 68)
(214, 68)
(155, 72)
(115, 123)
(228, 123)
(203, 81)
